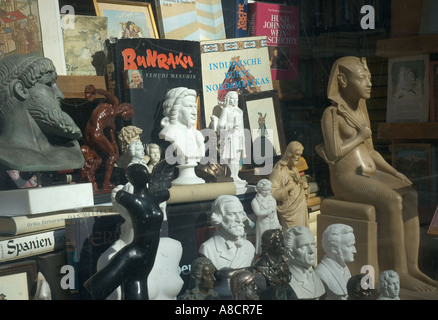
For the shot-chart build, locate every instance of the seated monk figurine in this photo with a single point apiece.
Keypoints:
(35, 134)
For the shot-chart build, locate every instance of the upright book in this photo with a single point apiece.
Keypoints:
(163, 64)
(240, 64)
(235, 18)
(281, 26)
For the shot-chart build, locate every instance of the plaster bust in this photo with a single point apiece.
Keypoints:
(36, 135)
(388, 285)
(227, 248)
(338, 244)
(301, 254)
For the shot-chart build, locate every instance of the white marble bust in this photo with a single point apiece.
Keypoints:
(227, 248)
(301, 253)
(388, 285)
(338, 243)
(179, 118)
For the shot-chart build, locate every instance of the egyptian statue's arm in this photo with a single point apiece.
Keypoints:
(335, 146)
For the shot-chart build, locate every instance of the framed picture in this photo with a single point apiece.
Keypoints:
(263, 118)
(17, 280)
(408, 89)
(433, 91)
(414, 160)
(127, 19)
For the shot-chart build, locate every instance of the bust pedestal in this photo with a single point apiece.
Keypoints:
(187, 175)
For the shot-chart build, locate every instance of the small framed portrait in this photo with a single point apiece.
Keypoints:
(17, 280)
(263, 118)
(127, 19)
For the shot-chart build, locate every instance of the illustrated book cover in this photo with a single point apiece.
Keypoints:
(408, 89)
(281, 26)
(240, 64)
(163, 64)
(84, 44)
(235, 18)
(190, 20)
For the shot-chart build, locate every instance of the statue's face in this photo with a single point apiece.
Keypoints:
(137, 150)
(188, 111)
(359, 84)
(392, 287)
(347, 247)
(155, 155)
(251, 291)
(44, 105)
(233, 217)
(233, 99)
(276, 245)
(304, 250)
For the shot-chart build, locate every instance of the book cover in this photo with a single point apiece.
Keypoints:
(86, 239)
(235, 14)
(84, 44)
(16, 225)
(190, 20)
(163, 64)
(240, 64)
(281, 26)
(28, 245)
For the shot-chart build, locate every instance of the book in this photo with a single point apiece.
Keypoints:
(86, 239)
(163, 64)
(235, 14)
(240, 64)
(313, 201)
(281, 26)
(190, 20)
(84, 43)
(313, 208)
(16, 225)
(31, 244)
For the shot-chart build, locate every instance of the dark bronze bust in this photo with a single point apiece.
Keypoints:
(35, 134)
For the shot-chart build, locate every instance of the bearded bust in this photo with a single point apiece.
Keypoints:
(35, 133)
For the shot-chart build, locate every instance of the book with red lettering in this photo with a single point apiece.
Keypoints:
(163, 64)
(281, 26)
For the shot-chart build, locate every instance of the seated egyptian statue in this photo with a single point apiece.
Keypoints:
(36, 134)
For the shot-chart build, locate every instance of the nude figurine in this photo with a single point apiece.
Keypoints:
(358, 173)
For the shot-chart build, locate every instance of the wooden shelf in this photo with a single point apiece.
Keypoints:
(408, 131)
(74, 86)
(407, 46)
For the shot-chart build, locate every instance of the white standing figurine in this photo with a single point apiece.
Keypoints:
(301, 252)
(232, 135)
(264, 207)
(180, 115)
(388, 285)
(338, 243)
(227, 248)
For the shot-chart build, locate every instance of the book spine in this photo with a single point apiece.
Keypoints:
(241, 23)
(19, 225)
(31, 245)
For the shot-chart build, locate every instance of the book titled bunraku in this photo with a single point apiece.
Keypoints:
(281, 26)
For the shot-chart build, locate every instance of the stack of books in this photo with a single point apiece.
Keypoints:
(35, 242)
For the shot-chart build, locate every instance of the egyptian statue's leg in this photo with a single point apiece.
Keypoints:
(412, 233)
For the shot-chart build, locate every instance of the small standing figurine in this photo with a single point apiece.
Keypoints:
(388, 285)
(301, 253)
(243, 285)
(180, 115)
(338, 244)
(227, 248)
(264, 207)
(272, 264)
(202, 280)
(232, 136)
(289, 189)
